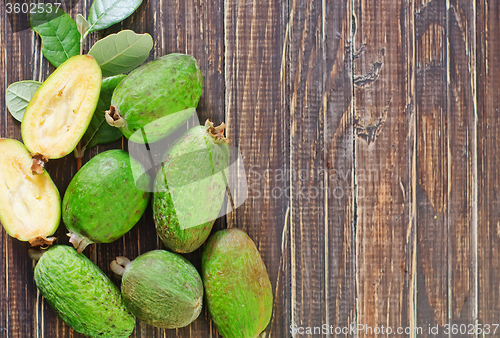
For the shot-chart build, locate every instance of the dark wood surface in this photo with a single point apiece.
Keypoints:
(369, 134)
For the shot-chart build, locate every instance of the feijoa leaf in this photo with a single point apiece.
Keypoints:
(99, 132)
(105, 13)
(18, 95)
(82, 24)
(59, 33)
(122, 52)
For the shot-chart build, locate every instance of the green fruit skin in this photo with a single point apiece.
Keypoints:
(237, 287)
(160, 88)
(81, 294)
(197, 201)
(102, 201)
(163, 289)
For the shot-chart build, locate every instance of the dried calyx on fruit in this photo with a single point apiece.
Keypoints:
(30, 207)
(60, 111)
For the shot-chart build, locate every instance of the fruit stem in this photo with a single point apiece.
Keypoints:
(79, 158)
(114, 118)
(79, 242)
(119, 265)
(42, 242)
(39, 162)
(35, 254)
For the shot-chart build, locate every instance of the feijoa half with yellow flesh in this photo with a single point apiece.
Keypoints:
(30, 207)
(61, 109)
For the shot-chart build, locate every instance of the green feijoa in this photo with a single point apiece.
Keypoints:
(161, 288)
(189, 188)
(81, 294)
(103, 202)
(237, 287)
(156, 98)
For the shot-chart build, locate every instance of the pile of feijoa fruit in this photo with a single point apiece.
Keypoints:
(111, 192)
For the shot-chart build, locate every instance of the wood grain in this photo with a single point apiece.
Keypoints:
(368, 132)
(446, 164)
(462, 199)
(384, 146)
(488, 105)
(321, 187)
(338, 151)
(307, 161)
(432, 163)
(257, 118)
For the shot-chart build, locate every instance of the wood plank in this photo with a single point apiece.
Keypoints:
(257, 123)
(462, 209)
(322, 209)
(431, 33)
(488, 100)
(384, 153)
(446, 167)
(308, 205)
(337, 109)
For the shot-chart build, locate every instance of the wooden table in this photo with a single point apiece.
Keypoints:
(369, 132)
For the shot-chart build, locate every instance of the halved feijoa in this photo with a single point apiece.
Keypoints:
(30, 206)
(60, 111)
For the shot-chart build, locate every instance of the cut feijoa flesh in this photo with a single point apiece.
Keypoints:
(81, 294)
(161, 288)
(30, 207)
(102, 201)
(60, 111)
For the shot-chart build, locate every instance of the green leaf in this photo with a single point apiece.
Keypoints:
(122, 52)
(99, 131)
(59, 33)
(105, 13)
(82, 24)
(18, 95)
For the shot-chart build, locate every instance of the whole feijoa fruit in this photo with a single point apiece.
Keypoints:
(161, 288)
(61, 109)
(102, 201)
(156, 98)
(189, 188)
(237, 287)
(30, 207)
(81, 294)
